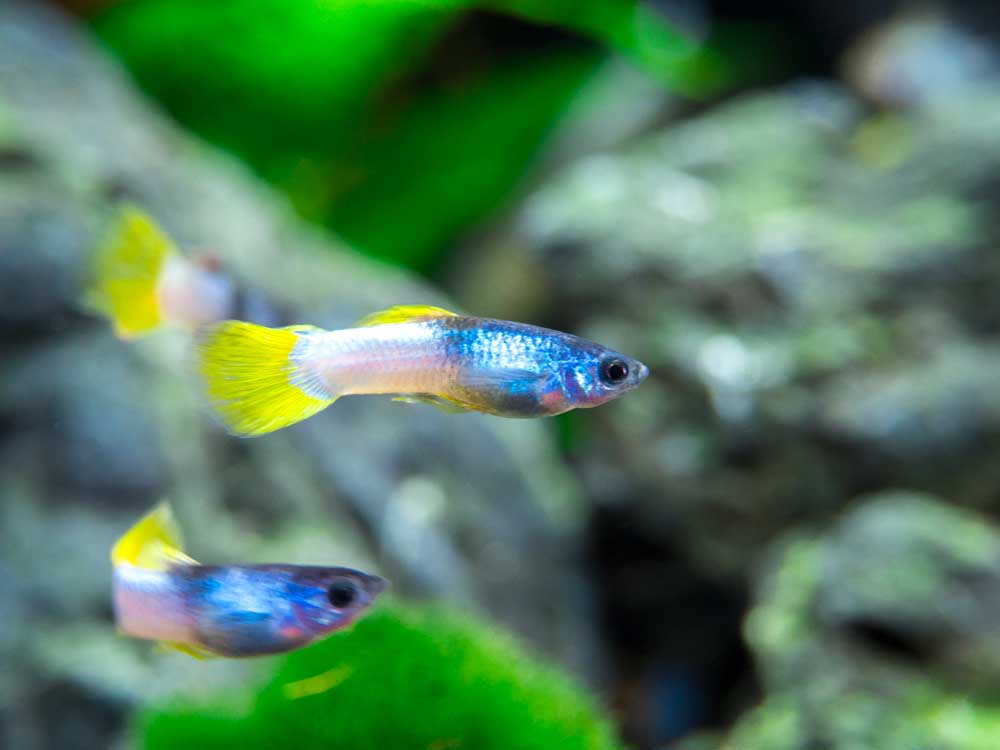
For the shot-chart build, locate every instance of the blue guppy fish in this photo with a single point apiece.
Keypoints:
(263, 379)
(161, 594)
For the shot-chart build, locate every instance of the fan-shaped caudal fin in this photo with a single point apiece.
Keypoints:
(153, 543)
(254, 382)
(125, 271)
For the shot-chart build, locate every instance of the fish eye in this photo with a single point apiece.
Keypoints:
(342, 594)
(614, 371)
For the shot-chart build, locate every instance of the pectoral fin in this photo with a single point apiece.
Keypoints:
(514, 380)
(404, 314)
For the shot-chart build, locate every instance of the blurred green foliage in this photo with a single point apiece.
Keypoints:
(447, 161)
(633, 28)
(401, 678)
(387, 121)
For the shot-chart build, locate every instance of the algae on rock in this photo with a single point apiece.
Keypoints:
(818, 321)
(879, 633)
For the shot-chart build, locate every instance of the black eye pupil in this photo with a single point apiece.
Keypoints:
(342, 594)
(615, 371)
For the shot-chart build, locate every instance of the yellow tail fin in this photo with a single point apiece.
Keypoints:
(153, 543)
(253, 381)
(125, 271)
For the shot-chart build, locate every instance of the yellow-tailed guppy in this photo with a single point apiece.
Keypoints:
(162, 594)
(262, 379)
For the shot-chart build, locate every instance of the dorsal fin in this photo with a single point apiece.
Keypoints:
(404, 314)
(153, 543)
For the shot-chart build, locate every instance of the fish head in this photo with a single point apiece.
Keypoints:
(327, 599)
(596, 375)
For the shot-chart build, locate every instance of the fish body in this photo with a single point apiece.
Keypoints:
(261, 379)
(227, 610)
(141, 282)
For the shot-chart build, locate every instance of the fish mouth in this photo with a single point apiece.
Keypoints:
(642, 372)
(375, 585)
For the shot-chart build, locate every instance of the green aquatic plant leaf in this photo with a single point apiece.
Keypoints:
(403, 677)
(634, 29)
(353, 110)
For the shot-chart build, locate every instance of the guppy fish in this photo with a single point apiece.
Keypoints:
(141, 282)
(262, 379)
(227, 610)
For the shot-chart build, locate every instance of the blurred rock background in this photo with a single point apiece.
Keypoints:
(785, 539)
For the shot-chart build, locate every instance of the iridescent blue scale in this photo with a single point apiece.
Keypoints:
(517, 370)
(250, 610)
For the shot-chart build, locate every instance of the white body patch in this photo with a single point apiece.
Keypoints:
(390, 358)
(150, 604)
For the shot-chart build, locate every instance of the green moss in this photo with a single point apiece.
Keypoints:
(401, 678)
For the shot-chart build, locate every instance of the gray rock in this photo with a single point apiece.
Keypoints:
(814, 292)
(879, 633)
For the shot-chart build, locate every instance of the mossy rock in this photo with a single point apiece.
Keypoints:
(879, 633)
(921, 717)
(402, 677)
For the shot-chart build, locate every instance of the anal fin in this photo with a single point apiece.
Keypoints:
(196, 652)
(445, 404)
